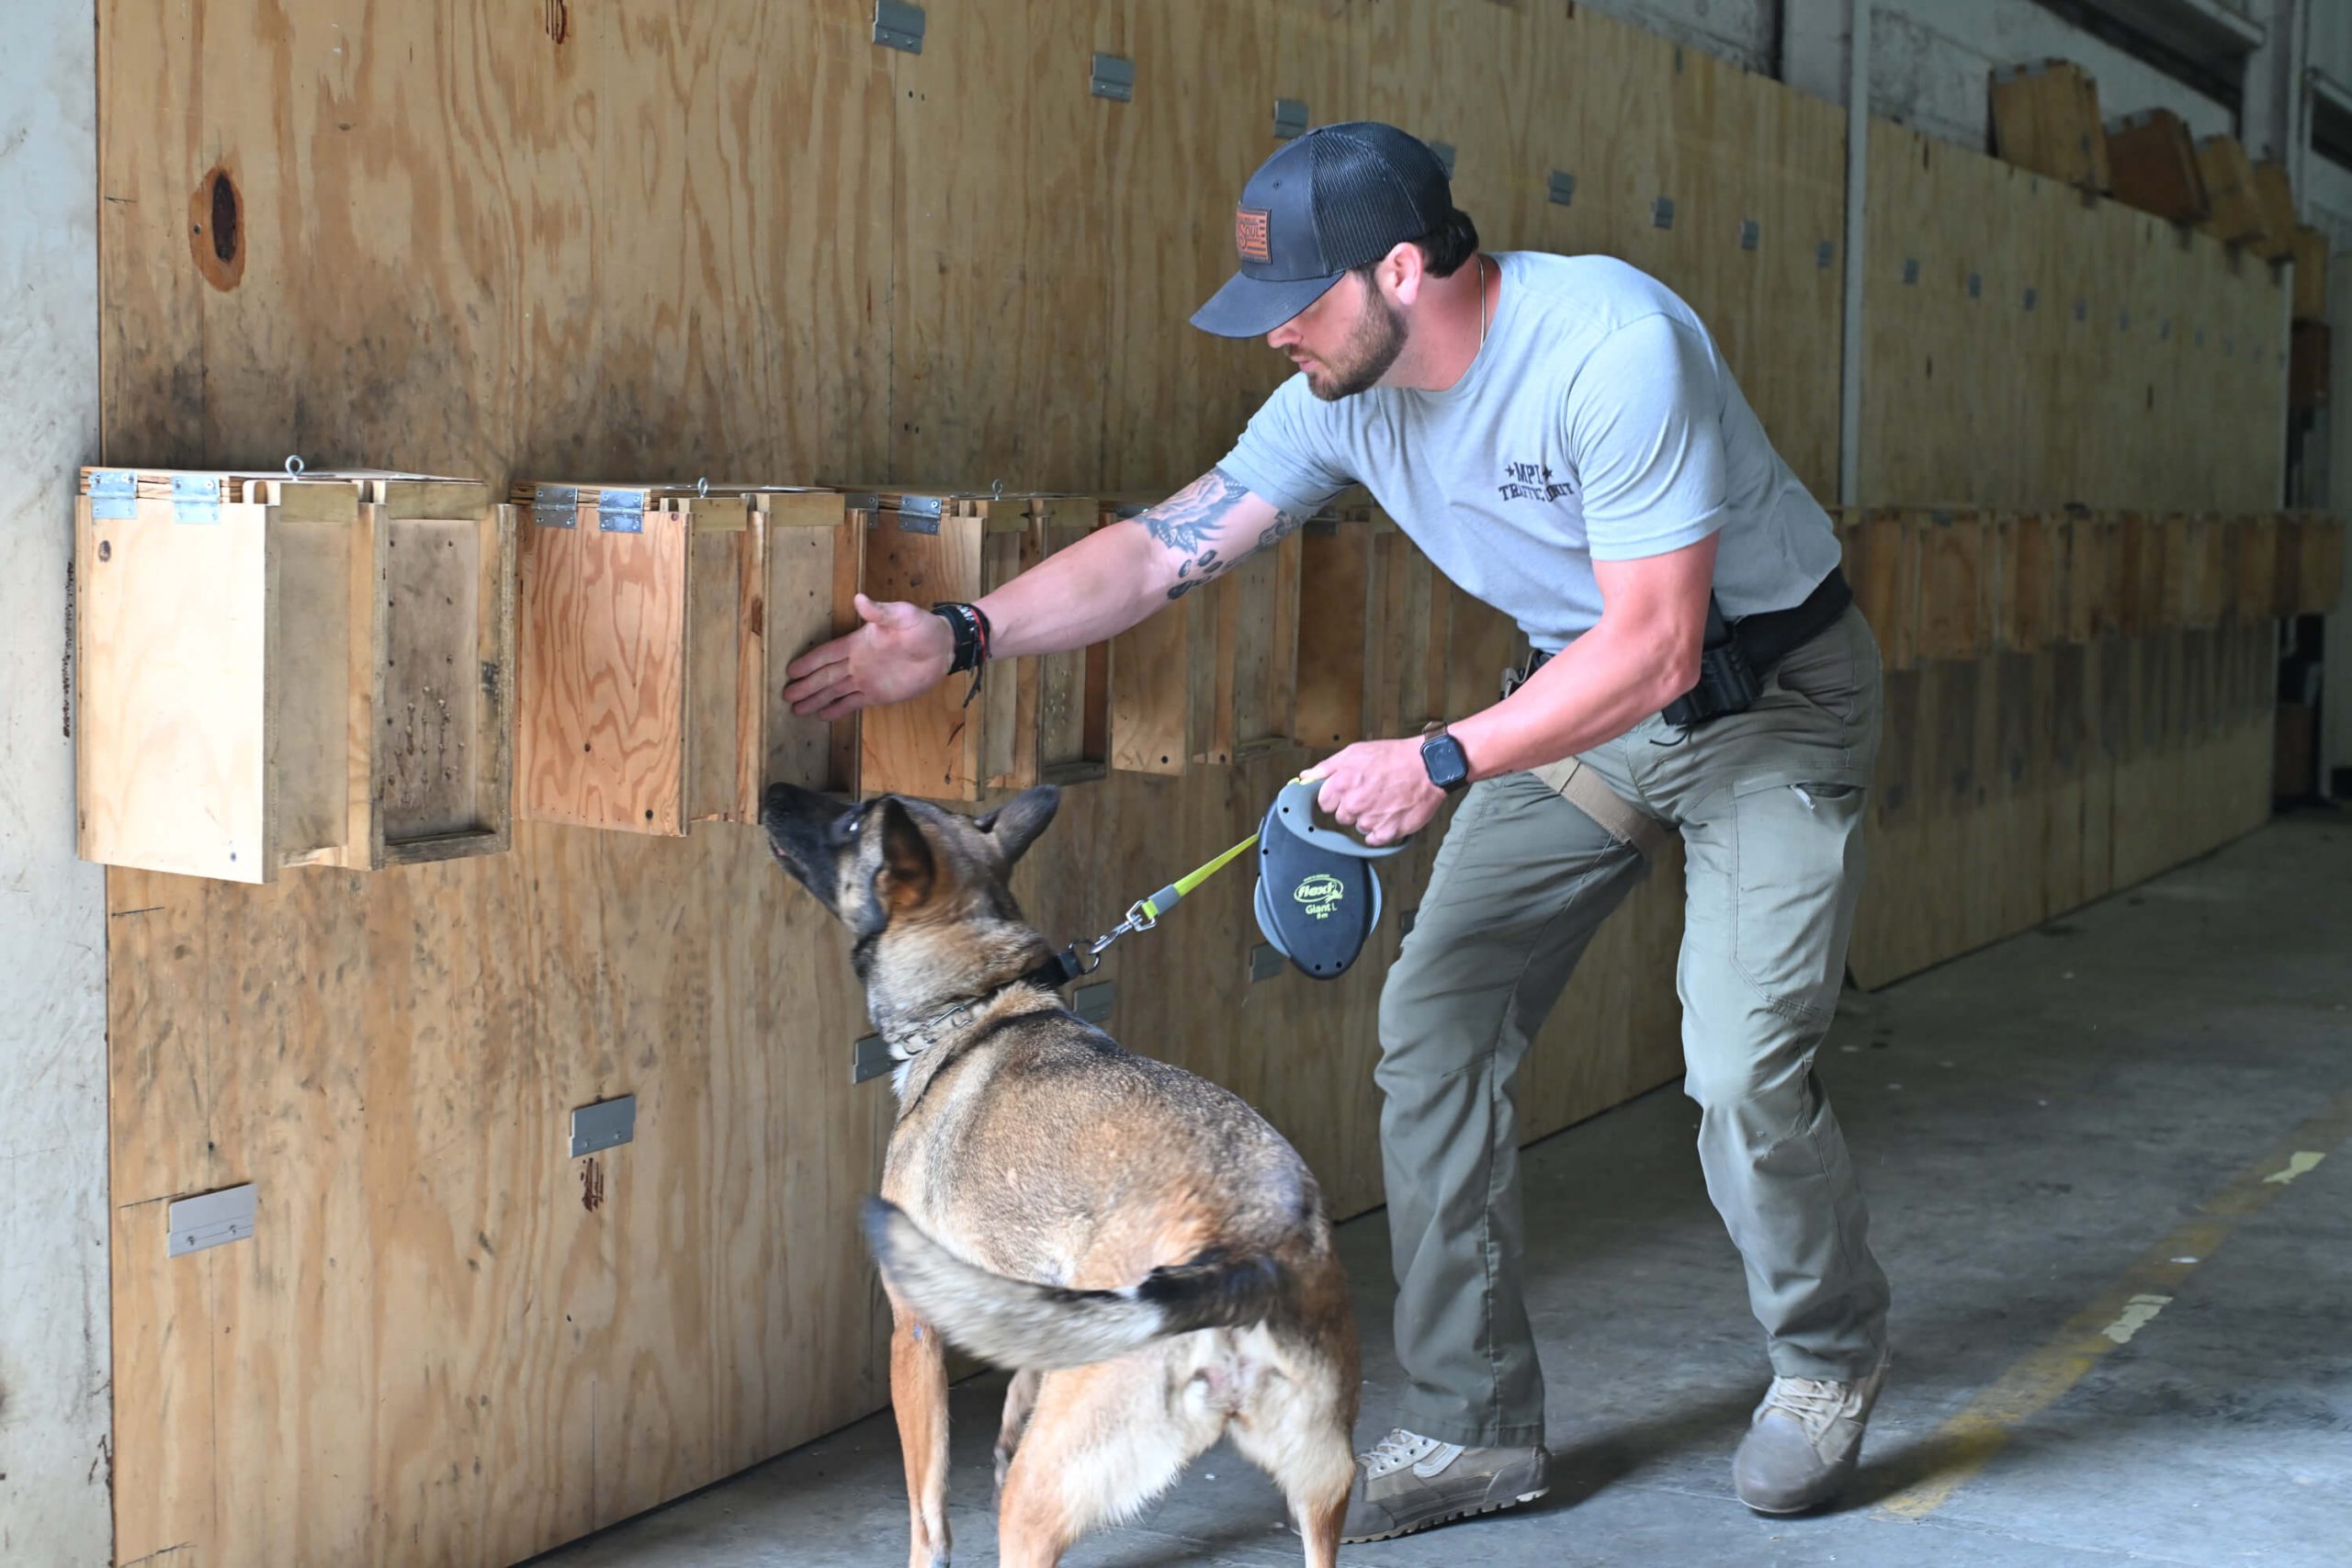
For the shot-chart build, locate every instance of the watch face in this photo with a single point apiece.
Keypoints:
(1444, 757)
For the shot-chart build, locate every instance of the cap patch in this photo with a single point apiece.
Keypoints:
(1249, 235)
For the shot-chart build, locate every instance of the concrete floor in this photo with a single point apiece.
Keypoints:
(2108, 1107)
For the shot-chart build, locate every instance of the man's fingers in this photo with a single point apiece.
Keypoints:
(824, 678)
(818, 658)
(843, 706)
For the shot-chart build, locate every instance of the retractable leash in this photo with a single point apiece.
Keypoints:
(1318, 900)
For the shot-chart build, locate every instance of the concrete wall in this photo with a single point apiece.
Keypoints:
(55, 1404)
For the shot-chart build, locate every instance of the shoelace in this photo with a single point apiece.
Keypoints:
(1814, 1402)
(1397, 1450)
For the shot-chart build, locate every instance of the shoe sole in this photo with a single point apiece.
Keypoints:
(1446, 1518)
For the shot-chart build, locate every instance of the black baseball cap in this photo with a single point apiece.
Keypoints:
(1340, 196)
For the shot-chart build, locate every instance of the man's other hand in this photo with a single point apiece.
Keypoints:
(902, 651)
(1379, 789)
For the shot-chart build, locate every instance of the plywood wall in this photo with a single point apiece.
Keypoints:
(638, 241)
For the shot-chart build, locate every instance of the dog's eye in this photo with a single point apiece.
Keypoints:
(847, 825)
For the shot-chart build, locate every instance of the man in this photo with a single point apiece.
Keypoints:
(1561, 437)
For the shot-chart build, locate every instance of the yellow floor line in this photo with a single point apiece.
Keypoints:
(1964, 1444)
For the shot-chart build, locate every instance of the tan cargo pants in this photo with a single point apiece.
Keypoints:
(1770, 804)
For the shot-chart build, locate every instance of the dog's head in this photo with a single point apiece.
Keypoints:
(886, 862)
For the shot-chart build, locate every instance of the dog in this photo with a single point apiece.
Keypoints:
(1147, 1255)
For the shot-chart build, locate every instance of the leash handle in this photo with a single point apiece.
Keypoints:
(1296, 805)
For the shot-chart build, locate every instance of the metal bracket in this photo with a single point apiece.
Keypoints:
(1114, 78)
(114, 495)
(2082, 308)
(195, 498)
(1562, 188)
(1975, 286)
(1824, 253)
(1408, 921)
(556, 506)
(1910, 270)
(898, 25)
(919, 513)
(604, 1125)
(209, 1219)
(1290, 119)
(1266, 961)
(1093, 1003)
(1662, 212)
(2032, 298)
(2163, 330)
(1444, 151)
(869, 1058)
(1750, 232)
(2123, 320)
(621, 512)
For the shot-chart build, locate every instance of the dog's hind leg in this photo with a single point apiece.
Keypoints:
(1296, 1427)
(1020, 1399)
(919, 1396)
(1104, 1440)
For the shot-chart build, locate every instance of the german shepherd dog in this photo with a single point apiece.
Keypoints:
(1147, 1255)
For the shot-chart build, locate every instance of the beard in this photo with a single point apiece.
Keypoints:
(1372, 348)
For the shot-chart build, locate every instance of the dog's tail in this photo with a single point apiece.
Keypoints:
(1021, 1324)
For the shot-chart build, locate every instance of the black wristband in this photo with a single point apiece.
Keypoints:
(972, 634)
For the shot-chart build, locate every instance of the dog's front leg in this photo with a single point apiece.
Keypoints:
(918, 1395)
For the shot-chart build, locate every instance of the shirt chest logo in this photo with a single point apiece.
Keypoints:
(1531, 481)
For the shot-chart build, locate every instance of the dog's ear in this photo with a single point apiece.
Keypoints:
(909, 869)
(1016, 824)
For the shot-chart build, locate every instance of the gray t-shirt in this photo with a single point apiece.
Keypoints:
(1597, 422)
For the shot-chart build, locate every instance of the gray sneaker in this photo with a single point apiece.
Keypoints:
(1803, 1442)
(1409, 1483)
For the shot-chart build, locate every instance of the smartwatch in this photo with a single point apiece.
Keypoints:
(1448, 765)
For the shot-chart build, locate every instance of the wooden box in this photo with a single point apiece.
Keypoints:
(656, 624)
(2152, 165)
(2233, 207)
(2276, 196)
(303, 669)
(2309, 353)
(2029, 610)
(1957, 581)
(2090, 612)
(1249, 684)
(1034, 720)
(1373, 619)
(2310, 274)
(2045, 117)
(1155, 729)
(1881, 554)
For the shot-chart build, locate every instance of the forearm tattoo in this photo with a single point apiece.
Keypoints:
(1189, 524)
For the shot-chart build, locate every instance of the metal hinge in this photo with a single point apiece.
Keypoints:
(1114, 77)
(1561, 187)
(869, 1058)
(114, 495)
(1444, 151)
(195, 498)
(1975, 284)
(621, 512)
(1824, 253)
(1662, 212)
(898, 26)
(1910, 269)
(556, 506)
(1750, 232)
(919, 513)
(1290, 119)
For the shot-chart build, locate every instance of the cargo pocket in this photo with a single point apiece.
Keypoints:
(1796, 858)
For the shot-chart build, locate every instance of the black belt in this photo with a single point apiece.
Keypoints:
(1739, 654)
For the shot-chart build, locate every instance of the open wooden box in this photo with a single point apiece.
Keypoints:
(1038, 720)
(1374, 621)
(299, 668)
(657, 621)
(1213, 678)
